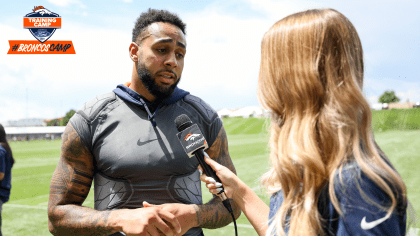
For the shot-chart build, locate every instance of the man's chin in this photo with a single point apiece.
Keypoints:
(165, 90)
(163, 93)
(164, 87)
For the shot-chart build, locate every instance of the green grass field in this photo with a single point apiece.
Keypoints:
(26, 212)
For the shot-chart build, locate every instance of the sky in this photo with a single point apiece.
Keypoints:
(223, 50)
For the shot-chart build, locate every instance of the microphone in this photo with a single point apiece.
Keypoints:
(194, 143)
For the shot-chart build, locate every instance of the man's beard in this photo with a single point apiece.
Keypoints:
(158, 91)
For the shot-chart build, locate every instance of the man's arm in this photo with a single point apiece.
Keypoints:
(70, 185)
(213, 214)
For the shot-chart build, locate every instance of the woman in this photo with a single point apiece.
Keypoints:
(328, 176)
(6, 163)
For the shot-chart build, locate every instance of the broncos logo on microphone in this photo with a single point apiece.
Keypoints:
(191, 137)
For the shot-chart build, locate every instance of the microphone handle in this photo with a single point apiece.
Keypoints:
(199, 154)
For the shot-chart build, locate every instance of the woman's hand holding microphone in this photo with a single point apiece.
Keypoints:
(251, 205)
(232, 185)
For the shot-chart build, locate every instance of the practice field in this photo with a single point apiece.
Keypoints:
(26, 212)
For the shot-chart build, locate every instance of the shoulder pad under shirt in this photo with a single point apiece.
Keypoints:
(83, 119)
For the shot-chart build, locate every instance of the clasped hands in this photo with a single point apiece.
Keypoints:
(171, 219)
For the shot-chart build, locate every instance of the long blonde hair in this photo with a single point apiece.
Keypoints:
(311, 79)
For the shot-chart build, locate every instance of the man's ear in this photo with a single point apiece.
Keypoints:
(134, 50)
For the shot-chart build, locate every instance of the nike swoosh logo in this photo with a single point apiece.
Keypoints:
(370, 225)
(139, 143)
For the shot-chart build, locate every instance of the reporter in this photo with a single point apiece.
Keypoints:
(328, 176)
(6, 164)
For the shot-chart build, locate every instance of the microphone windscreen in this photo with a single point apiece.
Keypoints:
(182, 122)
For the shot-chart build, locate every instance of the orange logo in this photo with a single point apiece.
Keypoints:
(191, 137)
(42, 24)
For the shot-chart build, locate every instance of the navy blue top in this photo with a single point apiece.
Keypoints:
(6, 168)
(360, 216)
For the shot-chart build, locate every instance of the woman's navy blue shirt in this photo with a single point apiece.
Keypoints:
(6, 168)
(360, 215)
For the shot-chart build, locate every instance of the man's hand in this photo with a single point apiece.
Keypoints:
(185, 214)
(152, 221)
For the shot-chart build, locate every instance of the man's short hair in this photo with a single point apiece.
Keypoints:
(152, 16)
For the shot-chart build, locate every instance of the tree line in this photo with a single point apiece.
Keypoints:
(388, 97)
(62, 122)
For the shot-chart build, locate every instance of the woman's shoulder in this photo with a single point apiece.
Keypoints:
(365, 205)
(275, 202)
(352, 184)
(355, 189)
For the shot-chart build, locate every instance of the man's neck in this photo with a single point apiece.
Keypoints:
(138, 86)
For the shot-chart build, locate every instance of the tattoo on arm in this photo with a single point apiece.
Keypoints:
(219, 151)
(70, 185)
(213, 214)
(74, 173)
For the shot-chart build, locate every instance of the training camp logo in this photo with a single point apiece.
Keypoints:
(42, 24)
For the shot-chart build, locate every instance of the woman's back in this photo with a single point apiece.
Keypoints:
(360, 212)
(311, 79)
(6, 168)
(6, 163)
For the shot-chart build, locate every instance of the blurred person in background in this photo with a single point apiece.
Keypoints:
(6, 163)
(328, 176)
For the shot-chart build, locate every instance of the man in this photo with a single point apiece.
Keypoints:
(126, 141)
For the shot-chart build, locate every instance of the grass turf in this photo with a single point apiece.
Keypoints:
(26, 212)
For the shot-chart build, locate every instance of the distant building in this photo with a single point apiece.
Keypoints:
(25, 123)
(30, 129)
(396, 105)
(224, 113)
(32, 133)
(377, 106)
(251, 111)
(245, 112)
